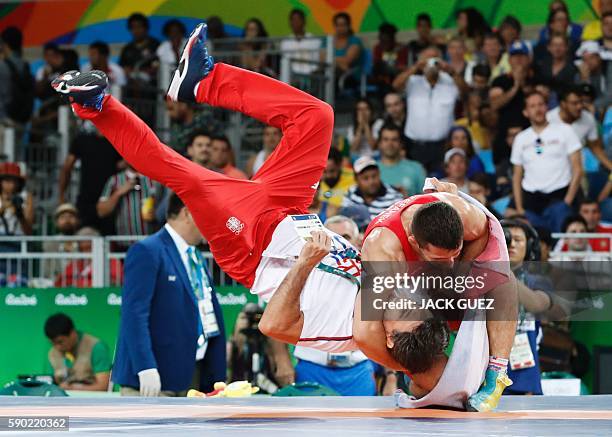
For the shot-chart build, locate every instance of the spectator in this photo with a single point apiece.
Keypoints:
(504, 169)
(138, 55)
(510, 32)
(481, 76)
(455, 168)
(99, 53)
(270, 138)
(16, 84)
(348, 51)
(66, 223)
(254, 52)
(139, 63)
(431, 94)
(168, 51)
(472, 27)
(476, 130)
(370, 190)
(16, 204)
(592, 72)
(389, 57)
(53, 66)
(558, 22)
(605, 42)
(594, 29)
(507, 97)
(171, 334)
(572, 112)
(479, 187)
(198, 149)
(523, 247)
(321, 206)
(591, 213)
(363, 133)
(99, 161)
(547, 167)
(557, 70)
(492, 50)
(78, 361)
(424, 38)
(460, 138)
(131, 198)
(222, 157)
(455, 49)
(78, 273)
(395, 112)
(402, 174)
(217, 35)
(336, 179)
(185, 121)
(301, 46)
(574, 224)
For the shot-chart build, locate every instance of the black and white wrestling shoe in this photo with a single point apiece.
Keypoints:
(86, 89)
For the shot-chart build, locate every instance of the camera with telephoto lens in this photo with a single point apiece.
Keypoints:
(253, 313)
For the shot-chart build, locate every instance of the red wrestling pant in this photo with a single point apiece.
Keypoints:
(237, 217)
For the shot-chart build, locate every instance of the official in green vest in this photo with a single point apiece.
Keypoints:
(78, 361)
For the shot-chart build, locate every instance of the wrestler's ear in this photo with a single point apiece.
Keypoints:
(390, 342)
(412, 240)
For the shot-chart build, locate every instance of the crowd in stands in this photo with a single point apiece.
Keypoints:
(524, 124)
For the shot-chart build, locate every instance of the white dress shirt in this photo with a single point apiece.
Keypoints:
(181, 246)
(431, 110)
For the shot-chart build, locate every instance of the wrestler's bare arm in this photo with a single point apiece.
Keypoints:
(283, 319)
(380, 245)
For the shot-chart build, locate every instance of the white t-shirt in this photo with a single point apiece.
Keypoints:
(166, 54)
(431, 111)
(364, 148)
(306, 49)
(585, 127)
(586, 130)
(550, 169)
(327, 300)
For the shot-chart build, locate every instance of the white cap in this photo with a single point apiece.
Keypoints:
(452, 152)
(364, 162)
(591, 47)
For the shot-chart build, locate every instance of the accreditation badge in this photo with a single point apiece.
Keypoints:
(521, 356)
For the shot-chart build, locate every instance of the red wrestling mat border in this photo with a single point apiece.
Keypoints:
(233, 411)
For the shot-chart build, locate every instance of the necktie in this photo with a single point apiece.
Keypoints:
(195, 274)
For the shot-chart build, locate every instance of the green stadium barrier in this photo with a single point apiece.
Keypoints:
(23, 313)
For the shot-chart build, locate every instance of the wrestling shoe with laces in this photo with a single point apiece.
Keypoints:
(86, 89)
(487, 398)
(194, 66)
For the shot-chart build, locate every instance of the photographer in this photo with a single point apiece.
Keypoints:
(432, 88)
(16, 205)
(524, 368)
(256, 358)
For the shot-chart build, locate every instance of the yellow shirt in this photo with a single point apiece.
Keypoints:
(478, 133)
(335, 195)
(592, 30)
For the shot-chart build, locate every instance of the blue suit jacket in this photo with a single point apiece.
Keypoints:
(159, 320)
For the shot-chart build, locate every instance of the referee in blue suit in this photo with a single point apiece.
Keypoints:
(171, 336)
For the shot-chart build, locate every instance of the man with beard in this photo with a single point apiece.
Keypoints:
(336, 181)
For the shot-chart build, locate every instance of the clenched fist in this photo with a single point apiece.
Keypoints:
(315, 250)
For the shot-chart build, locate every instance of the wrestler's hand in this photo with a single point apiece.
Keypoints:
(315, 250)
(441, 187)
